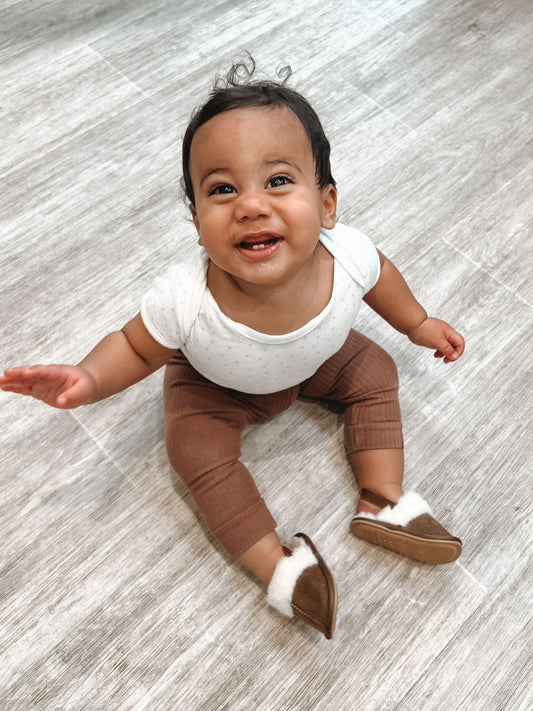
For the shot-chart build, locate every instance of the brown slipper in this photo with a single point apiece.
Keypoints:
(407, 527)
(304, 587)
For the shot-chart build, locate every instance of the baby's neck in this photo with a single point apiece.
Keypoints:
(279, 307)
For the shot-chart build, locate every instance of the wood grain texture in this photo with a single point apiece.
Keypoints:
(113, 594)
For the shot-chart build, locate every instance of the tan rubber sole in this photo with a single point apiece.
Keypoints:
(431, 551)
(333, 594)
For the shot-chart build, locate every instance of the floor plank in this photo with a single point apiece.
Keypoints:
(497, 679)
(113, 593)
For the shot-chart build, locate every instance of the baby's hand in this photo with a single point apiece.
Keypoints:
(62, 386)
(437, 334)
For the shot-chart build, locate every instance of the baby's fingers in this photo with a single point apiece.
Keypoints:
(449, 355)
(455, 347)
(42, 382)
(36, 372)
(24, 374)
(15, 387)
(13, 380)
(11, 375)
(458, 343)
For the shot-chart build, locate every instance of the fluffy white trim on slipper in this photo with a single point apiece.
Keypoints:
(409, 507)
(286, 574)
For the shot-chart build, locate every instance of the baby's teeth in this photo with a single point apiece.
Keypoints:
(258, 246)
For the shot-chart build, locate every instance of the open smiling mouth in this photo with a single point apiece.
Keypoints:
(257, 245)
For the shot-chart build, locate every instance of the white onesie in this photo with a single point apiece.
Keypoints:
(179, 311)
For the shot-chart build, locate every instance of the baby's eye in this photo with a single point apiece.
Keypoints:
(278, 180)
(224, 189)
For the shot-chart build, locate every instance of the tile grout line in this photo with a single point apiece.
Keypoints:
(479, 266)
(515, 177)
(104, 451)
(375, 15)
(376, 103)
(472, 577)
(465, 256)
(95, 441)
(115, 69)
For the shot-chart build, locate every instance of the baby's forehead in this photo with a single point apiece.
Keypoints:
(271, 122)
(245, 139)
(274, 115)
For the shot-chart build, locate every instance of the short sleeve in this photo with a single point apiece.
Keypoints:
(371, 257)
(160, 309)
(355, 252)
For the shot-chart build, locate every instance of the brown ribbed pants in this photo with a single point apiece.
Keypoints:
(204, 423)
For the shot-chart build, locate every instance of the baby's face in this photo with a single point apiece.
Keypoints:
(258, 208)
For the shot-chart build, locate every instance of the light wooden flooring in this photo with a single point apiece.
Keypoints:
(113, 594)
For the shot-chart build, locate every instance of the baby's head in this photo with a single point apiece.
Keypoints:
(234, 93)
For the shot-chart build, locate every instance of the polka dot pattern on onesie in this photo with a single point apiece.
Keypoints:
(244, 359)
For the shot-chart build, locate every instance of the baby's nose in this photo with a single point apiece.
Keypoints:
(252, 204)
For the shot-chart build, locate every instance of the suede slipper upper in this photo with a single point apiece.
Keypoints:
(303, 586)
(407, 527)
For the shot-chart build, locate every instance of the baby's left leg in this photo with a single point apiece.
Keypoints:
(363, 377)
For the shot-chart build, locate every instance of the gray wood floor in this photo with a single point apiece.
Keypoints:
(113, 594)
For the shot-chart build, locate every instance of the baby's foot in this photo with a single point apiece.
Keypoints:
(303, 586)
(407, 527)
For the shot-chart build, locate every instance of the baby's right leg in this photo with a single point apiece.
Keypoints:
(204, 423)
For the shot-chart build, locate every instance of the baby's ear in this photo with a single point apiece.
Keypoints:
(329, 206)
(196, 221)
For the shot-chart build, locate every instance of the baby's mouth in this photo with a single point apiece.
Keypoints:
(258, 243)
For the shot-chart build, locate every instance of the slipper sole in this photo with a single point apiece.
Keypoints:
(333, 596)
(433, 551)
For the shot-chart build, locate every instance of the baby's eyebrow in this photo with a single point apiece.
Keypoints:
(285, 161)
(210, 172)
(273, 161)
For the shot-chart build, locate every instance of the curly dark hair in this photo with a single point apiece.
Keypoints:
(237, 90)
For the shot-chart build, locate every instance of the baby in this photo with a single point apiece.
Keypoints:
(261, 315)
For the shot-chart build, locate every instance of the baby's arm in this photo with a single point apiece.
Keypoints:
(392, 299)
(121, 359)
